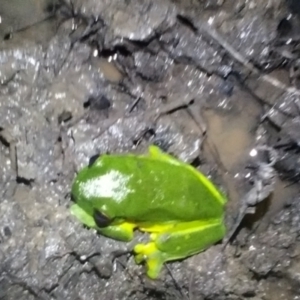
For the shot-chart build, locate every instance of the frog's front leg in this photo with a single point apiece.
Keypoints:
(121, 232)
(182, 240)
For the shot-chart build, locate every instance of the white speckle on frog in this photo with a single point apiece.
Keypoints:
(110, 185)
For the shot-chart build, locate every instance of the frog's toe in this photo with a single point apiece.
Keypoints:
(152, 256)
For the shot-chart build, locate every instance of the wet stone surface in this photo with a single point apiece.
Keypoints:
(115, 76)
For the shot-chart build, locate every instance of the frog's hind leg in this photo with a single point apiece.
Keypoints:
(183, 240)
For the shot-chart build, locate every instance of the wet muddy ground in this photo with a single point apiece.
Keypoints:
(209, 81)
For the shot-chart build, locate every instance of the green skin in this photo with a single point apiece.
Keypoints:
(156, 193)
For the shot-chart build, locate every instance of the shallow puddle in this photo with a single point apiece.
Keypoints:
(233, 137)
(282, 195)
(109, 70)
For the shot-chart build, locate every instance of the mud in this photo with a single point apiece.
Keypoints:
(80, 78)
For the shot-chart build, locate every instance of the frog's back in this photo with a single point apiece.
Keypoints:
(149, 189)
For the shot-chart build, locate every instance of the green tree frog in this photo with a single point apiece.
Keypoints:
(155, 193)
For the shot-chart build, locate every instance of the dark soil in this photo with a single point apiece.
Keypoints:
(207, 81)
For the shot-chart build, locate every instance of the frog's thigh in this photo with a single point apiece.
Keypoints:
(121, 232)
(182, 240)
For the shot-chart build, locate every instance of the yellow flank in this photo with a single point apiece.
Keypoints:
(155, 227)
(127, 226)
(187, 227)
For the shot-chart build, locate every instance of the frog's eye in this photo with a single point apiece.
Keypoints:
(93, 159)
(101, 220)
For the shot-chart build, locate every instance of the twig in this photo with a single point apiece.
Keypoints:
(245, 62)
(176, 283)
